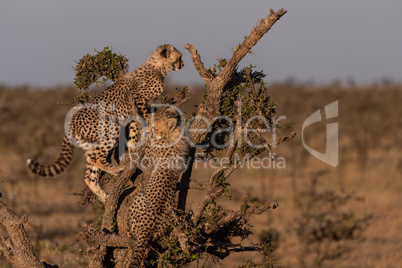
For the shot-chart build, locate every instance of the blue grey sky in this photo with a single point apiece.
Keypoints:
(315, 41)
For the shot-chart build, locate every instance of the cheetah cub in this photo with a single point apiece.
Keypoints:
(95, 126)
(168, 151)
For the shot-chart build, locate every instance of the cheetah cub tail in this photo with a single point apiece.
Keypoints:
(64, 160)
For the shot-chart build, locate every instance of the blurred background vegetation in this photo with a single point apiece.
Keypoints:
(361, 196)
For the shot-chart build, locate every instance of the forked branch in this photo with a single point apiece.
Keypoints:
(215, 85)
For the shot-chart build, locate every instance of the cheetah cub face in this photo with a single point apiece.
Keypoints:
(175, 60)
(171, 57)
(166, 130)
(166, 58)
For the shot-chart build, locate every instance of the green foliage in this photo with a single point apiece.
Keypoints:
(167, 250)
(246, 88)
(172, 255)
(244, 98)
(269, 261)
(91, 68)
(98, 226)
(270, 239)
(83, 97)
(217, 225)
(222, 181)
(166, 100)
(202, 238)
(98, 68)
(236, 228)
(212, 213)
(114, 227)
(179, 94)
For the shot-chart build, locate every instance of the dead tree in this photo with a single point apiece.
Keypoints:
(208, 229)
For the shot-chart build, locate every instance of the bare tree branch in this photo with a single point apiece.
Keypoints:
(198, 64)
(211, 195)
(184, 100)
(256, 33)
(111, 240)
(283, 139)
(215, 176)
(231, 248)
(183, 240)
(16, 247)
(245, 212)
(210, 108)
(19, 250)
(224, 249)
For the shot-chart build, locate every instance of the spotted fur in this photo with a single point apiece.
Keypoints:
(149, 212)
(95, 127)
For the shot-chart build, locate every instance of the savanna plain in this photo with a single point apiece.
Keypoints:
(343, 216)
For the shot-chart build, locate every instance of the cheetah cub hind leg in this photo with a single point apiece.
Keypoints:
(95, 164)
(92, 175)
(102, 164)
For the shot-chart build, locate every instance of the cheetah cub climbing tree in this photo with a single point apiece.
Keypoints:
(94, 126)
(185, 234)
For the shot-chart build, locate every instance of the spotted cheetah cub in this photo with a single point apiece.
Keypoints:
(168, 151)
(95, 126)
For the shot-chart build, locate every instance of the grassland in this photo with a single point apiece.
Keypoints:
(370, 164)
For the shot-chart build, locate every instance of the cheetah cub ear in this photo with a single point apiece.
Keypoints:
(165, 53)
(166, 50)
(171, 123)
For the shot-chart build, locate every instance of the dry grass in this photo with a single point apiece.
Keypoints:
(370, 129)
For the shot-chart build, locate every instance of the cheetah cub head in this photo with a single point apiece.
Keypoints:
(166, 58)
(166, 128)
(169, 146)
